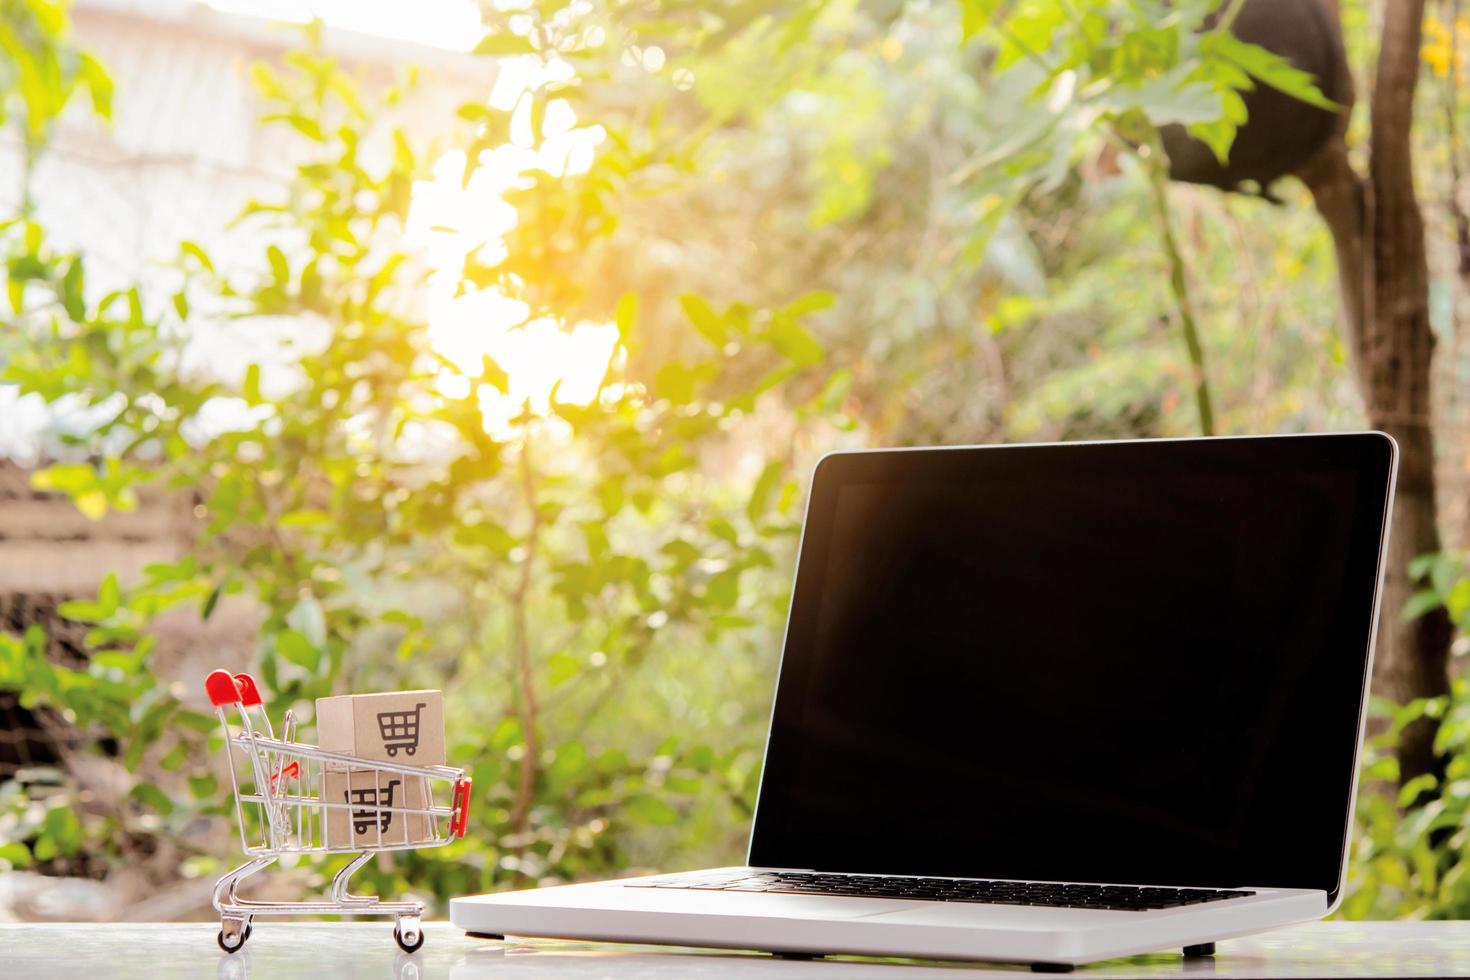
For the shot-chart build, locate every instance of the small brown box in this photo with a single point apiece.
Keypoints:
(406, 727)
(357, 817)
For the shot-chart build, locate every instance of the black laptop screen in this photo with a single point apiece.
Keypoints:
(1128, 662)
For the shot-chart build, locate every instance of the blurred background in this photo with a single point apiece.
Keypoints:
(487, 345)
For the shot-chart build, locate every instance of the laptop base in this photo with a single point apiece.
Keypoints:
(629, 911)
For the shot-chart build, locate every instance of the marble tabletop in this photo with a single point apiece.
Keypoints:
(288, 950)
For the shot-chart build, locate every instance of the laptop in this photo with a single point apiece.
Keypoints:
(1046, 704)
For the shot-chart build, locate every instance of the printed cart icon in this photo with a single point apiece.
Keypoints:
(400, 730)
(362, 820)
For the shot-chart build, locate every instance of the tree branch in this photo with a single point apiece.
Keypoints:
(1395, 230)
(1341, 198)
(529, 712)
(1158, 178)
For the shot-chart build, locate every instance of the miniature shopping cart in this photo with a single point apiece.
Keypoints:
(283, 808)
(400, 730)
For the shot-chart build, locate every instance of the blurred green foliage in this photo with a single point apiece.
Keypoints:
(549, 571)
(909, 222)
(1411, 853)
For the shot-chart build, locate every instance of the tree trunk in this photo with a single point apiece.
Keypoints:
(1378, 233)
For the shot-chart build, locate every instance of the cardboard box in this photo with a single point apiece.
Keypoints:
(406, 727)
(361, 822)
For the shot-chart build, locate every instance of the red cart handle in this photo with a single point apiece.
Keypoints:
(224, 688)
(459, 820)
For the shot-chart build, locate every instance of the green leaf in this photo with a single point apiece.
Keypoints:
(494, 375)
(1218, 135)
(1421, 566)
(650, 809)
(760, 494)
(176, 757)
(304, 518)
(705, 319)
(811, 303)
(571, 761)
(62, 830)
(70, 478)
(795, 342)
(295, 647)
(504, 43)
(304, 125)
(210, 602)
(280, 268)
(1267, 67)
(151, 796)
(723, 529)
(200, 256)
(1410, 791)
(99, 84)
(1420, 603)
(612, 494)
(251, 385)
(975, 15)
(1446, 570)
(92, 504)
(723, 589)
(626, 316)
(71, 292)
(505, 734)
(109, 595)
(16, 854)
(562, 667)
(81, 611)
(1173, 97)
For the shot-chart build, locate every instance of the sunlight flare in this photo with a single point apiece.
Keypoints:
(450, 220)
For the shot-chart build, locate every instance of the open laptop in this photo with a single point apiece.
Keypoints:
(1047, 704)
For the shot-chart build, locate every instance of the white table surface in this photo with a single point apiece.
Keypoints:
(287, 950)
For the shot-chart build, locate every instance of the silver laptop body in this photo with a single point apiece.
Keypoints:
(1046, 704)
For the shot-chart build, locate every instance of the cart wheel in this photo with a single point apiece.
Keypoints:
(233, 931)
(415, 932)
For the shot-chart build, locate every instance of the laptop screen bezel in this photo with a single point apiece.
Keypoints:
(1372, 456)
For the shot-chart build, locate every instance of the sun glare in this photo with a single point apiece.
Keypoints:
(450, 220)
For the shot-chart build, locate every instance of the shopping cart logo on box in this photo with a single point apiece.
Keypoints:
(282, 811)
(400, 730)
(367, 807)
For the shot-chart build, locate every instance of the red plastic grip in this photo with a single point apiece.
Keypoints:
(249, 692)
(221, 688)
(460, 820)
(224, 689)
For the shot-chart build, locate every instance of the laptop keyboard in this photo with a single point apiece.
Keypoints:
(1122, 898)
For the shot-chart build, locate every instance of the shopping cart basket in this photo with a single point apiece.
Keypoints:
(282, 807)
